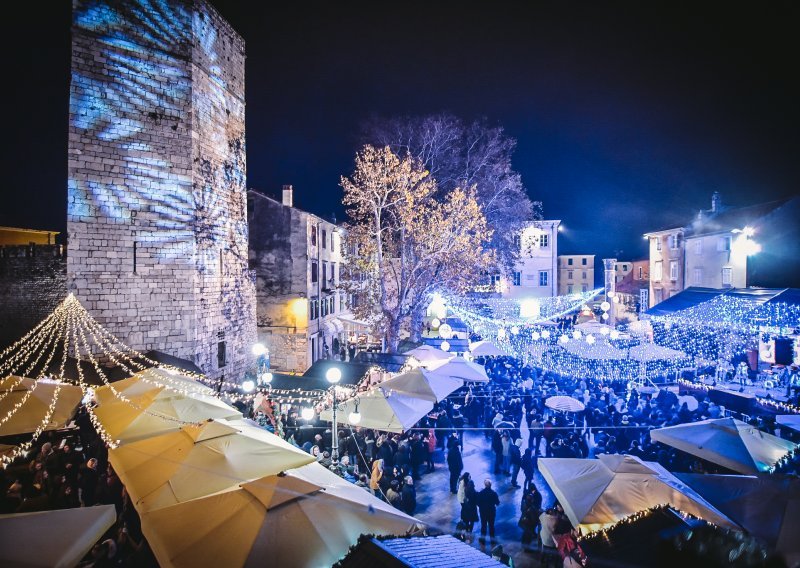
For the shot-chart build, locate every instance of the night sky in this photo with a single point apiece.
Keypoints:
(627, 115)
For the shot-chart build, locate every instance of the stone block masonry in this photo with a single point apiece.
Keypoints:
(157, 223)
(33, 281)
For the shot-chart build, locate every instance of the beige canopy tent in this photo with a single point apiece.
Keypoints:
(596, 493)
(199, 460)
(467, 371)
(419, 383)
(430, 357)
(153, 407)
(486, 348)
(308, 516)
(728, 442)
(52, 539)
(382, 409)
(37, 395)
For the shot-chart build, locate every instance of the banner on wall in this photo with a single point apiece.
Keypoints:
(766, 349)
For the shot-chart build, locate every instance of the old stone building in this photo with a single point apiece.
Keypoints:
(33, 281)
(157, 225)
(536, 272)
(297, 258)
(575, 273)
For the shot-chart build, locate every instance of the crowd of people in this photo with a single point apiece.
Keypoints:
(68, 469)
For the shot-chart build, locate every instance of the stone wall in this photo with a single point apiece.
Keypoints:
(33, 281)
(157, 222)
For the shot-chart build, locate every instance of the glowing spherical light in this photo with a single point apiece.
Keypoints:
(501, 333)
(529, 308)
(307, 413)
(435, 323)
(564, 339)
(590, 339)
(605, 330)
(545, 334)
(334, 375)
(605, 306)
(445, 346)
(614, 334)
(248, 386)
(265, 378)
(611, 294)
(445, 331)
(514, 330)
(576, 334)
(259, 349)
(604, 316)
(354, 417)
(616, 298)
(535, 336)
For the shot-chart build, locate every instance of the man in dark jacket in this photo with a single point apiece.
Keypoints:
(488, 501)
(516, 461)
(408, 497)
(455, 465)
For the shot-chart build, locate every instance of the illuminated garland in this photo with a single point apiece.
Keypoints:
(768, 402)
(630, 519)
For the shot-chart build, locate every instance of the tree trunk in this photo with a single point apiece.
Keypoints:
(417, 318)
(393, 335)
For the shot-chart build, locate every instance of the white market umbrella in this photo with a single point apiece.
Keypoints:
(597, 493)
(595, 328)
(467, 371)
(307, 516)
(486, 348)
(52, 539)
(199, 460)
(426, 385)
(728, 442)
(382, 410)
(430, 357)
(25, 402)
(598, 351)
(645, 352)
(150, 404)
(564, 404)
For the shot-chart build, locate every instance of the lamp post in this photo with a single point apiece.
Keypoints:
(334, 375)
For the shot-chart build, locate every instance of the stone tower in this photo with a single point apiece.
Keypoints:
(157, 220)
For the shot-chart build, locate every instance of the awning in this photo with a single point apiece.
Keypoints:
(352, 324)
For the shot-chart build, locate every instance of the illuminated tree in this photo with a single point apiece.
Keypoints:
(458, 154)
(405, 241)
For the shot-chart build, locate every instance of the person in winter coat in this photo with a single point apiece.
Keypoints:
(528, 468)
(469, 509)
(375, 478)
(488, 501)
(455, 465)
(516, 461)
(408, 496)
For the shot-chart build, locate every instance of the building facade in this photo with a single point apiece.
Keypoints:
(536, 272)
(157, 224)
(633, 289)
(666, 263)
(575, 273)
(297, 258)
(727, 247)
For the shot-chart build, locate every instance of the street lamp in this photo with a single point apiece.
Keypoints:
(334, 375)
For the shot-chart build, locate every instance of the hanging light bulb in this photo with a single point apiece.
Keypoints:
(545, 334)
(501, 333)
(355, 416)
(535, 336)
(307, 413)
(604, 316)
(576, 334)
(514, 330)
(564, 338)
(605, 306)
(435, 323)
(248, 386)
(445, 346)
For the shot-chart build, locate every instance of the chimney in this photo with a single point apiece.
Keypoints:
(287, 195)
(716, 202)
